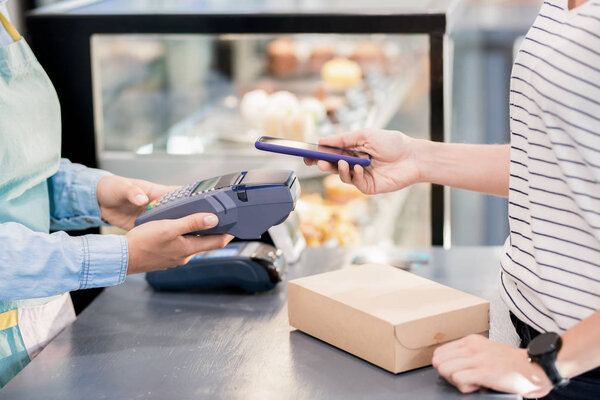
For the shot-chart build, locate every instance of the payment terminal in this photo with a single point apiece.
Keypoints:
(247, 203)
(251, 266)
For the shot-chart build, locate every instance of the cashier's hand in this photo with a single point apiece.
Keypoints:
(393, 164)
(475, 361)
(157, 245)
(122, 199)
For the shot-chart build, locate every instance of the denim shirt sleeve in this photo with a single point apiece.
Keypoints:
(73, 202)
(34, 264)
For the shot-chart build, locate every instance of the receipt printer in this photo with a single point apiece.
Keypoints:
(247, 203)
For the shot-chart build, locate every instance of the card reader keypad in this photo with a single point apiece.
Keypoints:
(180, 193)
(174, 195)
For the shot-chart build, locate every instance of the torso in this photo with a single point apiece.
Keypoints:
(551, 265)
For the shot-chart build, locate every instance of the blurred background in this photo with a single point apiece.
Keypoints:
(176, 107)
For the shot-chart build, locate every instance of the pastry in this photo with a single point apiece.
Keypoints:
(284, 100)
(322, 222)
(272, 124)
(340, 192)
(341, 73)
(300, 125)
(252, 107)
(282, 58)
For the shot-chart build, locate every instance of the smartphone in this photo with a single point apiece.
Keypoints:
(311, 150)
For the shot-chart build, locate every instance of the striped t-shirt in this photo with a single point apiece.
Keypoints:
(550, 267)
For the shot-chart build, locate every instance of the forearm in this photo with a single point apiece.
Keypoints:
(580, 351)
(481, 168)
(35, 264)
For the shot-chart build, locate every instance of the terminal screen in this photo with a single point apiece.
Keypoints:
(206, 185)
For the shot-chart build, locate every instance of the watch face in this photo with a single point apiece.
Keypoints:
(545, 343)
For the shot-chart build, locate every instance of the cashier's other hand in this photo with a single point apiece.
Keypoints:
(475, 361)
(122, 199)
(393, 164)
(157, 245)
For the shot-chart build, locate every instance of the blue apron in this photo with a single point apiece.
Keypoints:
(30, 133)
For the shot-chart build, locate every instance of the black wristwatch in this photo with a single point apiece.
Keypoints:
(542, 350)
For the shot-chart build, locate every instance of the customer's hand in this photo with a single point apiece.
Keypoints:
(122, 199)
(393, 165)
(475, 361)
(161, 244)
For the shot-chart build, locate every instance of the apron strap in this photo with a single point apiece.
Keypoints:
(10, 29)
(8, 319)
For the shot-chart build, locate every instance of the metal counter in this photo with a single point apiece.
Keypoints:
(134, 343)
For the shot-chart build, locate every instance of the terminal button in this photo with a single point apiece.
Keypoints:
(241, 193)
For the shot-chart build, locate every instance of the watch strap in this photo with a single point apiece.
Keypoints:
(549, 367)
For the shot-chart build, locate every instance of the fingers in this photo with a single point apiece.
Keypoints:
(447, 352)
(448, 368)
(460, 371)
(347, 140)
(358, 178)
(136, 195)
(460, 362)
(344, 171)
(153, 190)
(156, 191)
(192, 223)
(465, 347)
(466, 380)
(160, 190)
(326, 166)
(309, 161)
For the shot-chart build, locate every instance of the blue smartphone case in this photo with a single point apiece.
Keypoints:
(294, 151)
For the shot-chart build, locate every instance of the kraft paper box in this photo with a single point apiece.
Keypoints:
(389, 317)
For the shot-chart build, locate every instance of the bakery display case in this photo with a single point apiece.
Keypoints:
(172, 91)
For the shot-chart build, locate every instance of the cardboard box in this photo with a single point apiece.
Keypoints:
(389, 317)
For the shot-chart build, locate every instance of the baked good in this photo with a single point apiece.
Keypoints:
(341, 73)
(322, 222)
(300, 125)
(340, 192)
(272, 124)
(282, 58)
(282, 115)
(284, 100)
(252, 107)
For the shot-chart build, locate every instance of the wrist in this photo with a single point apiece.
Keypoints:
(131, 255)
(540, 384)
(422, 154)
(535, 370)
(100, 189)
(567, 367)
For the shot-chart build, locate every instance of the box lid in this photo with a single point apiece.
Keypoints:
(422, 312)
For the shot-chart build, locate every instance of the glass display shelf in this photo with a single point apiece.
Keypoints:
(168, 95)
